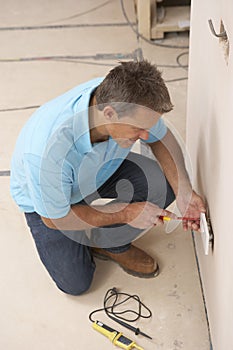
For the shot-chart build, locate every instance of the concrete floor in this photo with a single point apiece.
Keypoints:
(34, 314)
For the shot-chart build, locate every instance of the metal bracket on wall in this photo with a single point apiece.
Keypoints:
(223, 38)
(220, 35)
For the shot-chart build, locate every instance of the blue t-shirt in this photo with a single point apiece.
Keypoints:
(54, 164)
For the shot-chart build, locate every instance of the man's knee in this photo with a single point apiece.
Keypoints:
(76, 288)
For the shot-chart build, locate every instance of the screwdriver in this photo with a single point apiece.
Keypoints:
(179, 218)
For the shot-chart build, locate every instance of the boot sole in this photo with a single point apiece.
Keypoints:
(130, 272)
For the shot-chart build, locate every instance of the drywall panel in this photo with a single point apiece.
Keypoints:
(210, 144)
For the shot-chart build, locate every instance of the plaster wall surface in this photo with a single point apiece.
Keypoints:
(210, 142)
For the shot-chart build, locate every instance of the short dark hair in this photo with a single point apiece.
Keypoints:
(135, 83)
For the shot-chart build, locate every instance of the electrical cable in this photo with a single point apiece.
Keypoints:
(113, 65)
(5, 172)
(64, 19)
(98, 57)
(83, 13)
(178, 60)
(85, 62)
(17, 108)
(45, 58)
(143, 37)
(176, 79)
(76, 59)
(63, 26)
(110, 304)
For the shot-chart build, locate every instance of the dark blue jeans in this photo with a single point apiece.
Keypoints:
(70, 263)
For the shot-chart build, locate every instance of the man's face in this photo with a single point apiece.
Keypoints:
(128, 129)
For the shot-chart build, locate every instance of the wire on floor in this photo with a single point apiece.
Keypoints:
(112, 301)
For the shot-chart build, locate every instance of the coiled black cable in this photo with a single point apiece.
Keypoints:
(112, 301)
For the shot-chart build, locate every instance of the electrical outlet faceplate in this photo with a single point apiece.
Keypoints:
(205, 234)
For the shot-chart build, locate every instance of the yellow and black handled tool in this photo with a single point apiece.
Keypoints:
(117, 338)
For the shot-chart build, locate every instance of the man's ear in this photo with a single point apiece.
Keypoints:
(110, 114)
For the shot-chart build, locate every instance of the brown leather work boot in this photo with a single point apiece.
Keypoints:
(134, 261)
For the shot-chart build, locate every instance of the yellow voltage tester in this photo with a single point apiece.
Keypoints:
(117, 338)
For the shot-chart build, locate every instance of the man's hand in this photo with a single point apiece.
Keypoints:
(192, 205)
(143, 215)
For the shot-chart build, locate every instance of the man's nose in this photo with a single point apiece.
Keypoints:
(144, 134)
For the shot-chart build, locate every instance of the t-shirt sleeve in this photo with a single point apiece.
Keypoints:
(157, 132)
(50, 186)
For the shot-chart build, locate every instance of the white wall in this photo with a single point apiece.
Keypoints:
(210, 144)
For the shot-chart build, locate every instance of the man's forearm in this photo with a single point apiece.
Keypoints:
(170, 156)
(82, 217)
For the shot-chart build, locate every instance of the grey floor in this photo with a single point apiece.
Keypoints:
(34, 314)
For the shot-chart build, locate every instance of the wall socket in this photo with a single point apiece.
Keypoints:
(205, 233)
